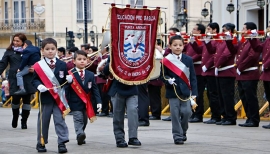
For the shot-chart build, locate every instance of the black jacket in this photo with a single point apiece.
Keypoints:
(89, 86)
(118, 87)
(30, 56)
(13, 59)
(60, 69)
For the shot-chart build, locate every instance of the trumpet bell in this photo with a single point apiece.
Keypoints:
(106, 39)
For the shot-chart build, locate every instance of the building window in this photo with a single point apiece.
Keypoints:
(6, 12)
(138, 5)
(80, 10)
(19, 11)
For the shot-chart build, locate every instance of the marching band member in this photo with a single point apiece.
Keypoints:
(195, 52)
(247, 62)
(209, 72)
(124, 97)
(225, 76)
(265, 74)
(61, 53)
(78, 93)
(178, 74)
(51, 72)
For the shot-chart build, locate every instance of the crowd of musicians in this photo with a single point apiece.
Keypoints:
(217, 63)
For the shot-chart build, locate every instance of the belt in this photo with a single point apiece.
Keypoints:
(225, 68)
(198, 62)
(251, 69)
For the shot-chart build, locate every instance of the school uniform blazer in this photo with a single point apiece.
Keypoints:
(246, 57)
(181, 87)
(223, 57)
(264, 48)
(118, 87)
(89, 86)
(195, 52)
(208, 58)
(60, 72)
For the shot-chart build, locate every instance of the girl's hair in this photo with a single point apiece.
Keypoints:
(48, 41)
(79, 52)
(176, 37)
(21, 36)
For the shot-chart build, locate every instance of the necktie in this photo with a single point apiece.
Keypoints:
(52, 66)
(81, 75)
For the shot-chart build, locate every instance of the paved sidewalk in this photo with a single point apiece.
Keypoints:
(156, 139)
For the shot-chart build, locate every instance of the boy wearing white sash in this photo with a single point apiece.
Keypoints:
(49, 77)
(178, 74)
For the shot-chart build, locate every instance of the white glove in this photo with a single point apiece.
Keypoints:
(99, 106)
(216, 71)
(69, 78)
(253, 33)
(171, 81)
(192, 39)
(228, 35)
(262, 68)
(207, 39)
(41, 88)
(204, 69)
(238, 72)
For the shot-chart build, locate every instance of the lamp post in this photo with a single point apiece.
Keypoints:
(85, 23)
(96, 34)
(230, 8)
(81, 35)
(261, 4)
(165, 25)
(205, 11)
(182, 19)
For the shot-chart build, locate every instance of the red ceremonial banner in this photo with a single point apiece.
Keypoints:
(133, 39)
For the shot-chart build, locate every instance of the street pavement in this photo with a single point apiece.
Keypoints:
(156, 139)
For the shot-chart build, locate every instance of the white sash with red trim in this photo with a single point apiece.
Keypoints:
(86, 98)
(176, 66)
(49, 80)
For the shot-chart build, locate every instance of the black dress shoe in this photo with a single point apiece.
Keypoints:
(62, 148)
(266, 126)
(134, 141)
(122, 144)
(226, 123)
(211, 121)
(41, 148)
(20, 92)
(194, 120)
(221, 122)
(81, 138)
(178, 141)
(250, 124)
(144, 123)
(102, 114)
(84, 142)
(154, 118)
(184, 137)
(167, 119)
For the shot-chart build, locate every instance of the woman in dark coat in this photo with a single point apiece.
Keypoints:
(12, 57)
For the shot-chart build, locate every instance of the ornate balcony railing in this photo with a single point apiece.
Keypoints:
(22, 25)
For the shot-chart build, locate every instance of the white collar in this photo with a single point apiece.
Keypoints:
(78, 70)
(180, 56)
(49, 60)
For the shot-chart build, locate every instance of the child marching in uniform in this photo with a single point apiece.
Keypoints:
(78, 95)
(50, 74)
(178, 74)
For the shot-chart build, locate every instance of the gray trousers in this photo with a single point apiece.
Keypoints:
(20, 75)
(180, 114)
(80, 121)
(120, 103)
(59, 123)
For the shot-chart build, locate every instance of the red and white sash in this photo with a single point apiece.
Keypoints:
(49, 80)
(176, 66)
(84, 97)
